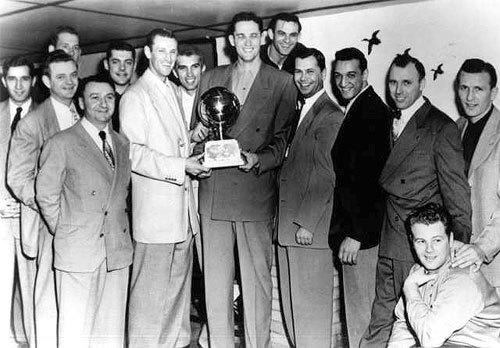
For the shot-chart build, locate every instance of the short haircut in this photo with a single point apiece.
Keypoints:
(402, 61)
(312, 52)
(118, 45)
(429, 214)
(59, 30)
(244, 17)
(57, 56)
(475, 66)
(99, 78)
(350, 53)
(189, 51)
(163, 32)
(18, 61)
(285, 17)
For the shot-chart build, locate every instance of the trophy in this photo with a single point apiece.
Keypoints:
(218, 110)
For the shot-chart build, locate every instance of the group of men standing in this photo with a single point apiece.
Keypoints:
(315, 176)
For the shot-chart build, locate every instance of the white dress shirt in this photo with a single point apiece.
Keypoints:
(399, 125)
(13, 109)
(94, 134)
(187, 105)
(309, 102)
(64, 115)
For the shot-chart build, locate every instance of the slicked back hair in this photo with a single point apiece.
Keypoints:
(285, 17)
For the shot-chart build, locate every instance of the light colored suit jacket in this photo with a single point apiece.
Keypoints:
(484, 179)
(262, 127)
(84, 201)
(162, 197)
(426, 165)
(31, 133)
(307, 178)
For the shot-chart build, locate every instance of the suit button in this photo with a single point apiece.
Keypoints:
(396, 218)
(93, 193)
(101, 235)
(105, 213)
(403, 181)
(124, 230)
(257, 130)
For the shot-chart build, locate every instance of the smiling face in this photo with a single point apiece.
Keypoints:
(431, 244)
(98, 102)
(18, 82)
(62, 81)
(475, 93)
(120, 66)
(246, 39)
(162, 55)
(308, 76)
(69, 43)
(404, 85)
(349, 78)
(189, 69)
(284, 37)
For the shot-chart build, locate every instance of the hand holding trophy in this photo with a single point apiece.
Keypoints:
(218, 110)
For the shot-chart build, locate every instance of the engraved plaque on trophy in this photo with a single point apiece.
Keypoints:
(218, 110)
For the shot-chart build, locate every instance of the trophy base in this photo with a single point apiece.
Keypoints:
(222, 153)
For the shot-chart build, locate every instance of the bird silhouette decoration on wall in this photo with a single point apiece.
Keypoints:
(438, 71)
(374, 40)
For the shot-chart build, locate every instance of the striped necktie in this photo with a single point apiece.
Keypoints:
(106, 150)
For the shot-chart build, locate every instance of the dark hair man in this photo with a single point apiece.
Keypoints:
(18, 79)
(359, 154)
(425, 165)
(476, 87)
(441, 304)
(283, 32)
(119, 63)
(307, 182)
(56, 113)
(237, 205)
(163, 206)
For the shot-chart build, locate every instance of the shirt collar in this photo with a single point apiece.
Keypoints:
(58, 106)
(94, 131)
(354, 99)
(478, 119)
(406, 114)
(253, 68)
(13, 107)
(312, 100)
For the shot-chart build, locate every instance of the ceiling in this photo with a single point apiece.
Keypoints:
(25, 25)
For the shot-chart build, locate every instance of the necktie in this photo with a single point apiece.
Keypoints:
(76, 117)
(106, 150)
(16, 119)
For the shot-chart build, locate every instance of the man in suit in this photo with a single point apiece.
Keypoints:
(163, 207)
(307, 180)
(18, 79)
(426, 165)
(359, 154)
(283, 32)
(81, 190)
(119, 64)
(55, 114)
(476, 87)
(237, 205)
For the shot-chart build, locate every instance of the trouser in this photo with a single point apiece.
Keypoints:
(160, 294)
(359, 293)
(253, 242)
(7, 260)
(390, 278)
(92, 307)
(306, 288)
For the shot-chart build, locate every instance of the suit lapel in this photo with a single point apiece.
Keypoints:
(489, 137)
(4, 121)
(51, 125)
(407, 141)
(120, 159)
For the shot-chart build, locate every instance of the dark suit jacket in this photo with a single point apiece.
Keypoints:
(359, 154)
(425, 165)
(262, 127)
(307, 178)
(84, 201)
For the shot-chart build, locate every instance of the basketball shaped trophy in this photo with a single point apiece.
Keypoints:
(218, 109)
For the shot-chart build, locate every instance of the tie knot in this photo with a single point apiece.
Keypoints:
(102, 135)
(396, 113)
(19, 110)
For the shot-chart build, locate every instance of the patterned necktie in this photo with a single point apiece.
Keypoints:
(76, 117)
(16, 119)
(106, 150)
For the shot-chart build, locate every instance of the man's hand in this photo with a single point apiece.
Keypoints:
(9, 208)
(194, 167)
(418, 276)
(251, 160)
(199, 133)
(466, 255)
(348, 251)
(303, 236)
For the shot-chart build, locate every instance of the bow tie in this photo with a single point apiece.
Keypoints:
(396, 113)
